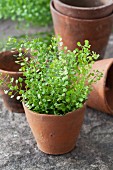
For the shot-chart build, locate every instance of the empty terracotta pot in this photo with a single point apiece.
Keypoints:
(73, 30)
(84, 9)
(55, 134)
(101, 97)
(10, 68)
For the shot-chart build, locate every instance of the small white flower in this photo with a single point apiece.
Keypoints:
(20, 54)
(6, 91)
(9, 39)
(12, 96)
(60, 39)
(61, 43)
(18, 97)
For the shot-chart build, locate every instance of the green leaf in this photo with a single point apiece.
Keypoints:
(79, 44)
(87, 43)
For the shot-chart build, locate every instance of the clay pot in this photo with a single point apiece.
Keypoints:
(55, 134)
(101, 97)
(84, 9)
(10, 68)
(73, 30)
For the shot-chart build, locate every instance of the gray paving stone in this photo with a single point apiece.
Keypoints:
(9, 28)
(18, 149)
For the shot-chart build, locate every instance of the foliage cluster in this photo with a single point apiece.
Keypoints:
(56, 81)
(42, 36)
(31, 11)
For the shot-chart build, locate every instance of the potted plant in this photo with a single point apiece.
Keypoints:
(57, 84)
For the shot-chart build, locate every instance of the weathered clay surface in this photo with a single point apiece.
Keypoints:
(74, 30)
(55, 134)
(101, 96)
(18, 149)
(84, 9)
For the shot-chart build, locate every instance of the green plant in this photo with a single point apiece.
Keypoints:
(42, 36)
(33, 12)
(56, 81)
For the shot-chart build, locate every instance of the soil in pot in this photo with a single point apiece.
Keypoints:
(101, 97)
(84, 9)
(55, 134)
(10, 68)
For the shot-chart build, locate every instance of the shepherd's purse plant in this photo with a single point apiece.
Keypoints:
(56, 81)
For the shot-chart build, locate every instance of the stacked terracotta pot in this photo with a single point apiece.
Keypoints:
(81, 20)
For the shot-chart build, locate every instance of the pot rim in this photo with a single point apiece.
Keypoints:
(76, 19)
(84, 8)
(58, 116)
(9, 72)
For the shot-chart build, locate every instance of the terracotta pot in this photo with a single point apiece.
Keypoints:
(101, 97)
(10, 68)
(55, 134)
(73, 30)
(84, 9)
